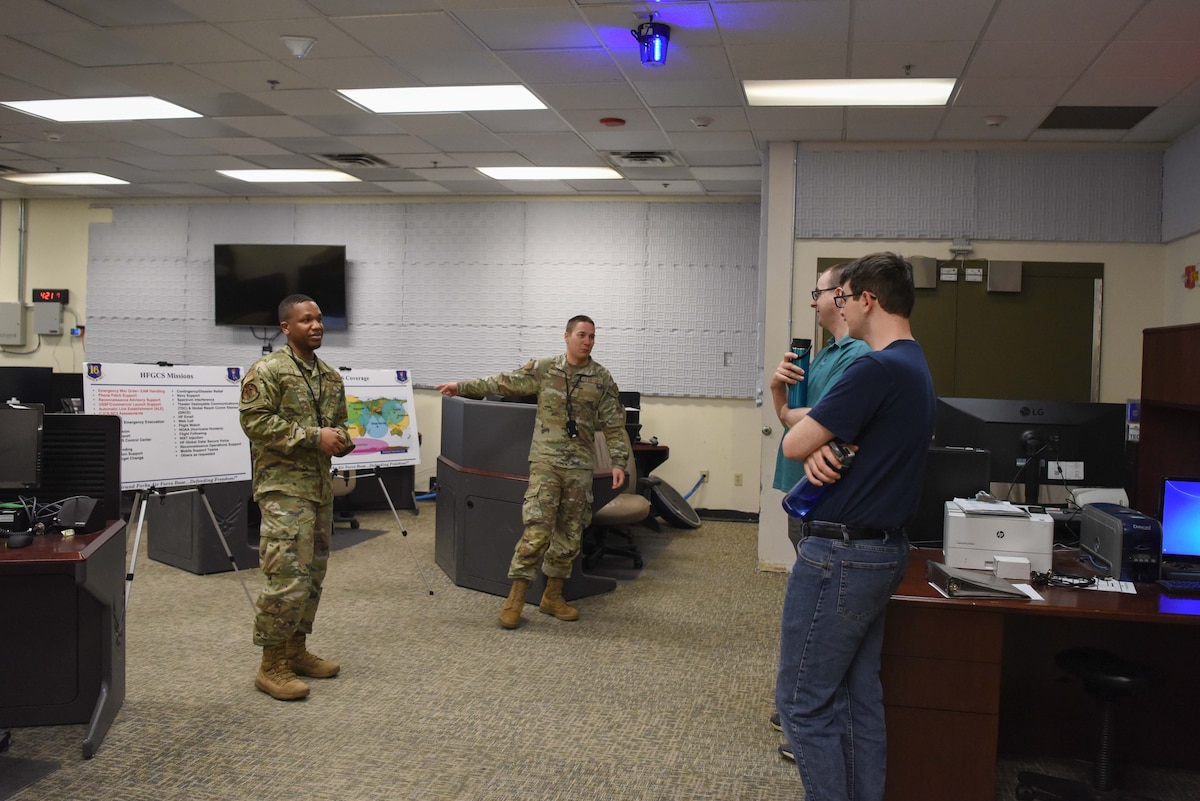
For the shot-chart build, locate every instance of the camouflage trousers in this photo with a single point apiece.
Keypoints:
(557, 508)
(293, 548)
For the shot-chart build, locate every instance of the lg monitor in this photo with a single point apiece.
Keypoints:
(1035, 443)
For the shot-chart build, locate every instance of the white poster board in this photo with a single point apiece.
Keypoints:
(180, 426)
(382, 420)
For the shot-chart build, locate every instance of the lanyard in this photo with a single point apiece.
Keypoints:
(316, 396)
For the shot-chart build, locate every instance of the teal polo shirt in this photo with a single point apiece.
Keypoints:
(824, 371)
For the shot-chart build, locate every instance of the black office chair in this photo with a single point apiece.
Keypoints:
(1108, 678)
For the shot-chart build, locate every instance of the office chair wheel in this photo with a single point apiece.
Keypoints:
(637, 562)
(354, 524)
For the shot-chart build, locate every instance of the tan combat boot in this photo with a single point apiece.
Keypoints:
(510, 613)
(553, 603)
(304, 663)
(275, 678)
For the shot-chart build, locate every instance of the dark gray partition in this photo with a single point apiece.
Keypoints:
(482, 475)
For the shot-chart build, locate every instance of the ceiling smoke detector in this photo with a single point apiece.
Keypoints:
(644, 158)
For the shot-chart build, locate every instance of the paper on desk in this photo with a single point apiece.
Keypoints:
(1114, 585)
(970, 506)
(1030, 591)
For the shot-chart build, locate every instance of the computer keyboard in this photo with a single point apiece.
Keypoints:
(1180, 587)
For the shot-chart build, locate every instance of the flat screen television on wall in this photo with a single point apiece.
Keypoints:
(250, 280)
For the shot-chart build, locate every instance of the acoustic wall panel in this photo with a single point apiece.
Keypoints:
(456, 290)
(1088, 197)
(1054, 195)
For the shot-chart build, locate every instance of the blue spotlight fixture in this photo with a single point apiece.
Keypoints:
(652, 40)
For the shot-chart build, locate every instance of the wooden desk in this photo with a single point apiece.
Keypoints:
(649, 457)
(62, 644)
(964, 680)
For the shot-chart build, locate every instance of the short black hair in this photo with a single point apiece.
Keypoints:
(287, 304)
(577, 319)
(886, 276)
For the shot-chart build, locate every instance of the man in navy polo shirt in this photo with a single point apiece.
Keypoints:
(854, 550)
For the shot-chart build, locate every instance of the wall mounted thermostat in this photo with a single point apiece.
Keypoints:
(62, 296)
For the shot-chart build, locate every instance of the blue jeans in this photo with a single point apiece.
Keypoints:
(827, 692)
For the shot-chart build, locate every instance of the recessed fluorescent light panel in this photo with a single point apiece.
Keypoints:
(102, 109)
(881, 92)
(438, 99)
(550, 173)
(289, 176)
(63, 179)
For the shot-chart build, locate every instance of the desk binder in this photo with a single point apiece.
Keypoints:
(969, 584)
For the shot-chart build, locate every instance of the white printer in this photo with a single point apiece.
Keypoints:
(975, 540)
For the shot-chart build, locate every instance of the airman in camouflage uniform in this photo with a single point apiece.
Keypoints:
(293, 409)
(576, 398)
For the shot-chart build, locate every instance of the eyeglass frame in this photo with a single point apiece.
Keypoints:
(844, 298)
(816, 293)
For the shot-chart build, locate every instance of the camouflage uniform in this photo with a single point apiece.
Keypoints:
(558, 503)
(280, 396)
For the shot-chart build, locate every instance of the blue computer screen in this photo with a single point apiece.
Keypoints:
(1181, 517)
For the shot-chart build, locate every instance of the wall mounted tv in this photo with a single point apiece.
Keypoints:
(250, 280)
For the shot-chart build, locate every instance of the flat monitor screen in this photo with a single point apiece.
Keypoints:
(27, 385)
(20, 446)
(1181, 520)
(249, 281)
(1039, 443)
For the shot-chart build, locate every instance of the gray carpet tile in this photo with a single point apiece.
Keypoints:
(662, 689)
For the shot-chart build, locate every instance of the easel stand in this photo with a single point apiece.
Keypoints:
(141, 499)
(387, 496)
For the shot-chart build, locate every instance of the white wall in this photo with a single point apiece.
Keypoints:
(1180, 305)
(716, 435)
(56, 258)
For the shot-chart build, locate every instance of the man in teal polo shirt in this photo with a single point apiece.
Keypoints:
(825, 369)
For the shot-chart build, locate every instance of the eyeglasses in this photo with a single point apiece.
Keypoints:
(840, 300)
(816, 293)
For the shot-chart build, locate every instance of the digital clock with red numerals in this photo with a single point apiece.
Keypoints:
(62, 296)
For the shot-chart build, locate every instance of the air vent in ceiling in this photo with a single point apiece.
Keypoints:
(352, 160)
(644, 158)
(1096, 118)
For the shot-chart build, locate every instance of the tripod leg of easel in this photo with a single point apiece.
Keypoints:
(225, 544)
(403, 532)
(139, 509)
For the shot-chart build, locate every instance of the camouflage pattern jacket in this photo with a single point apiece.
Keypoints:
(278, 409)
(594, 402)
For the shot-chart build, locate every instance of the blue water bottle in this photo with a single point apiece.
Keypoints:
(801, 498)
(798, 392)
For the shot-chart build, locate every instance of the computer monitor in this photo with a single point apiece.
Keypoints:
(27, 385)
(20, 446)
(1033, 443)
(1181, 522)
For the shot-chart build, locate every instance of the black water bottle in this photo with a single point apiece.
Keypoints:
(804, 496)
(798, 392)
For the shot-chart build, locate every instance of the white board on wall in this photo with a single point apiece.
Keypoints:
(180, 426)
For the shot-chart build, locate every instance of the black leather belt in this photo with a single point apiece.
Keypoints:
(839, 531)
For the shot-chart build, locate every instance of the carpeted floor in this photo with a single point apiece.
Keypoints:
(661, 690)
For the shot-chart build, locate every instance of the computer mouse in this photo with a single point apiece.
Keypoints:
(18, 540)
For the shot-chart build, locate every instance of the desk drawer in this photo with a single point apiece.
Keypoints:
(934, 631)
(943, 684)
